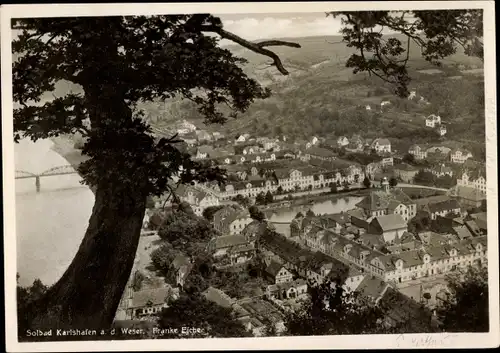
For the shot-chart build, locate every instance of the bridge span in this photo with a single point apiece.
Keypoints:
(59, 170)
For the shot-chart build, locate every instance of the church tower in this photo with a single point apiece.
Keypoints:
(385, 184)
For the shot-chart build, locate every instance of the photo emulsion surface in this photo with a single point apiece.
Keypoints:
(250, 175)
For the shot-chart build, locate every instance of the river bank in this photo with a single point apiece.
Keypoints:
(51, 223)
(65, 147)
(309, 199)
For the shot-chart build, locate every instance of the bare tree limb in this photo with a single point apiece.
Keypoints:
(271, 43)
(255, 47)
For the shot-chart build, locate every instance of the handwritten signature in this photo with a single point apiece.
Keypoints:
(428, 341)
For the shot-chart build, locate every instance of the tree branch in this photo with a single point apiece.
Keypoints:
(255, 47)
(271, 43)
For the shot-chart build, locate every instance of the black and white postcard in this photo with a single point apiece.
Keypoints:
(250, 175)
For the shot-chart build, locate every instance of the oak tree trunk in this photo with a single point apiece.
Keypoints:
(89, 292)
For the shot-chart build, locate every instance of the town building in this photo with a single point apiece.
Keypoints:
(231, 250)
(231, 221)
(435, 260)
(204, 152)
(419, 152)
(438, 154)
(403, 265)
(145, 304)
(261, 316)
(433, 121)
(313, 266)
(241, 139)
(474, 179)
(320, 153)
(250, 188)
(390, 226)
(481, 220)
(356, 144)
(190, 139)
(218, 297)
(460, 156)
(372, 289)
(182, 265)
(277, 273)
(381, 145)
(441, 171)
(203, 135)
(217, 135)
(287, 290)
(467, 196)
(386, 202)
(185, 127)
(443, 208)
(250, 317)
(342, 141)
(442, 130)
(198, 199)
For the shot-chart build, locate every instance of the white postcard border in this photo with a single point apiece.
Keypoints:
(459, 340)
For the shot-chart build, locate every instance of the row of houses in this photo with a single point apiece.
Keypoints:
(291, 258)
(473, 178)
(422, 261)
(458, 156)
(357, 144)
(287, 179)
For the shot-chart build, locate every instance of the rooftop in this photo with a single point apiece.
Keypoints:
(371, 287)
(390, 222)
(274, 268)
(217, 296)
(447, 205)
(228, 241)
(147, 297)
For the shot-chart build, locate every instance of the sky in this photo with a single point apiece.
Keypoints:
(284, 25)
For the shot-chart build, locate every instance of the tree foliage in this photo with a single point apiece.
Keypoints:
(367, 183)
(393, 181)
(333, 311)
(242, 200)
(310, 213)
(195, 311)
(256, 214)
(163, 256)
(118, 62)
(466, 309)
(268, 198)
(186, 231)
(438, 34)
(424, 178)
(25, 296)
(208, 213)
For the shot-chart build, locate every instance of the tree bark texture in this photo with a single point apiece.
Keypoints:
(88, 293)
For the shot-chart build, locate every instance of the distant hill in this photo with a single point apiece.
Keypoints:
(322, 97)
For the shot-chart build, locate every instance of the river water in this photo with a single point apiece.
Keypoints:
(50, 224)
(335, 205)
